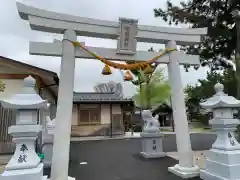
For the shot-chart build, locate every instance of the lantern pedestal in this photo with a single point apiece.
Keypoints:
(152, 145)
(223, 159)
(25, 155)
(26, 174)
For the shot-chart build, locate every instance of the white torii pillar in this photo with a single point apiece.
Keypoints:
(61, 145)
(186, 167)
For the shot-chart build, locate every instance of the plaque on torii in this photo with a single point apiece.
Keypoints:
(127, 43)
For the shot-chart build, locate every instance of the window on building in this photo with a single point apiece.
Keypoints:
(89, 116)
(84, 116)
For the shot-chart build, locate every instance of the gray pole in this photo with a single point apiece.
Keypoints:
(236, 15)
(237, 51)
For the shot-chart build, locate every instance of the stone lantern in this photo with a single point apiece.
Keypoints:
(25, 163)
(222, 160)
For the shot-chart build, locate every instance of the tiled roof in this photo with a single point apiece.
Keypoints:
(96, 96)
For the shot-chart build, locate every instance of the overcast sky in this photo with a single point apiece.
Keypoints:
(15, 35)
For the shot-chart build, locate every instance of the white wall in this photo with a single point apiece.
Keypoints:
(116, 109)
(74, 115)
(12, 86)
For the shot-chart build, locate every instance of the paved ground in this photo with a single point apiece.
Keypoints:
(126, 135)
(120, 159)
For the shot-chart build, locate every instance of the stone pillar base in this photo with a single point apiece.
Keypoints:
(47, 164)
(184, 172)
(206, 175)
(222, 164)
(47, 150)
(47, 139)
(24, 174)
(69, 178)
(152, 155)
(152, 145)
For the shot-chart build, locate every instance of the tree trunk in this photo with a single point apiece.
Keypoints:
(148, 93)
(141, 104)
(237, 57)
(237, 73)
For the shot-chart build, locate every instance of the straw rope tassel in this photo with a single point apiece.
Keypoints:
(128, 76)
(106, 70)
(123, 66)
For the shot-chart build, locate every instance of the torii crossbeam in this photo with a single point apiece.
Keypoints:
(128, 33)
(55, 49)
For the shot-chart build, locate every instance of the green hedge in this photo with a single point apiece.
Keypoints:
(203, 118)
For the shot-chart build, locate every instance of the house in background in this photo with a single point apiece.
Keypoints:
(101, 113)
(12, 73)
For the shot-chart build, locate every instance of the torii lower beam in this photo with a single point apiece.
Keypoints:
(55, 49)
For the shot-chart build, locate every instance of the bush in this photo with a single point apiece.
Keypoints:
(203, 118)
(238, 133)
(138, 128)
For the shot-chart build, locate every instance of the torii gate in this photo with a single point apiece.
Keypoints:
(128, 33)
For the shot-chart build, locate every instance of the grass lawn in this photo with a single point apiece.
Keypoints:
(197, 126)
(191, 130)
(200, 130)
(166, 130)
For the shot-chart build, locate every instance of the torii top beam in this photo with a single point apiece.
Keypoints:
(47, 21)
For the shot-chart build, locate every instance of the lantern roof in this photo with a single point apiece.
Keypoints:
(220, 99)
(27, 98)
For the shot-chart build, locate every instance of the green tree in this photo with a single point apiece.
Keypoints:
(218, 16)
(2, 86)
(142, 77)
(154, 90)
(137, 73)
(205, 89)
